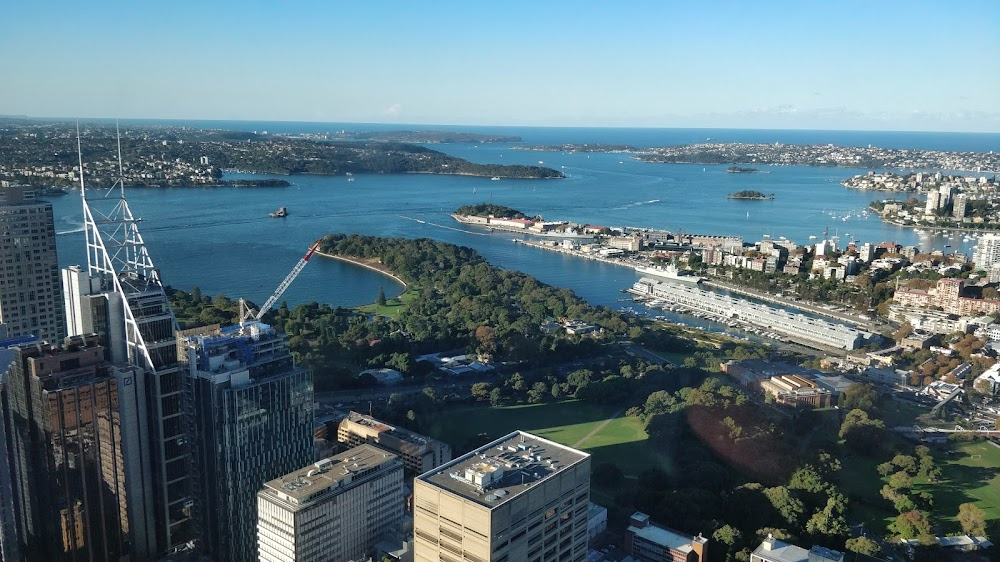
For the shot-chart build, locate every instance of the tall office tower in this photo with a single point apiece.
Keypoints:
(419, 453)
(69, 415)
(987, 251)
(335, 509)
(123, 284)
(29, 273)
(520, 497)
(252, 421)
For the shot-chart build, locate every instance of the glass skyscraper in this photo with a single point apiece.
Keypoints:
(252, 421)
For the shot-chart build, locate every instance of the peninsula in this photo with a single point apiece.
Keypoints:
(747, 194)
(44, 154)
(777, 154)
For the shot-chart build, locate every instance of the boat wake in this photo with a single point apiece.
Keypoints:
(636, 204)
(443, 226)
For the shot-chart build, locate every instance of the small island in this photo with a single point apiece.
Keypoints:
(747, 194)
(489, 210)
(741, 170)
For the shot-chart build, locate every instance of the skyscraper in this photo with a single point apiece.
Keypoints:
(29, 273)
(251, 421)
(122, 297)
(70, 418)
(520, 497)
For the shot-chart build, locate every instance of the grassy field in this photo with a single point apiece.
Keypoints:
(621, 440)
(971, 474)
(392, 306)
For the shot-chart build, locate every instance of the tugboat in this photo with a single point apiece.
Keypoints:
(279, 214)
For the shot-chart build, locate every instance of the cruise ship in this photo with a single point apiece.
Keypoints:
(670, 272)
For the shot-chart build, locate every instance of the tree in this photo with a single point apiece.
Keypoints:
(972, 519)
(807, 478)
(730, 537)
(496, 397)
(861, 396)
(911, 525)
(381, 297)
(556, 391)
(790, 507)
(863, 545)
(906, 463)
(481, 390)
(862, 433)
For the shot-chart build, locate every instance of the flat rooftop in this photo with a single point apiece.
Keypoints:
(301, 487)
(503, 469)
(664, 537)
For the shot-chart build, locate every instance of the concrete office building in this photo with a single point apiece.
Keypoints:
(418, 453)
(646, 541)
(30, 301)
(335, 509)
(72, 432)
(252, 421)
(519, 498)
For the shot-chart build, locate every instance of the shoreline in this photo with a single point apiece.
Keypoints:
(379, 268)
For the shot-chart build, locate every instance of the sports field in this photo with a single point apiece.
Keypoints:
(971, 473)
(590, 427)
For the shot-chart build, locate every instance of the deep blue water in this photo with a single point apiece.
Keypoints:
(221, 240)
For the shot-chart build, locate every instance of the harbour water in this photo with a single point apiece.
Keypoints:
(221, 239)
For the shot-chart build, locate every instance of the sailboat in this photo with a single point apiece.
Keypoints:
(473, 190)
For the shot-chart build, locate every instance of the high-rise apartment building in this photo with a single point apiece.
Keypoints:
(987, 251)
(959, 204)
(30, 301)
(73, 442)
(520, 497)
(335, 509)
(251, 422)
(419, 453)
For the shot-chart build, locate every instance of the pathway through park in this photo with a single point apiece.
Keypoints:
(596, 430)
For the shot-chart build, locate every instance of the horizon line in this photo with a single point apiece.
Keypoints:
(383, 123)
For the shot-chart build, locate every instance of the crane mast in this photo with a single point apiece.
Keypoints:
(288, 281)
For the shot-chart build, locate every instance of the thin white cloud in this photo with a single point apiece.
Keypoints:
(393, 110)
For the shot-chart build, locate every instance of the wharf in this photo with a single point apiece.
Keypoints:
(788, 303)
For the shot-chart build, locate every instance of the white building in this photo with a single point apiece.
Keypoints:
(799, 327)
(773, 550)
(336, 509)
(987, 251)
(989, 381)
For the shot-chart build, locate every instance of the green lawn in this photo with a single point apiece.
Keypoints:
(965, 479)
(392, 306)
(971, 474)
(622, 441)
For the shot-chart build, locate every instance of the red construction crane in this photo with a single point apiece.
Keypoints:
(288, 281)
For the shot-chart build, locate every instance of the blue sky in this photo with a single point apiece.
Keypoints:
(881, 65)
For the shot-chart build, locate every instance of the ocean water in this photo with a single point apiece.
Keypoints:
(221, 240)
